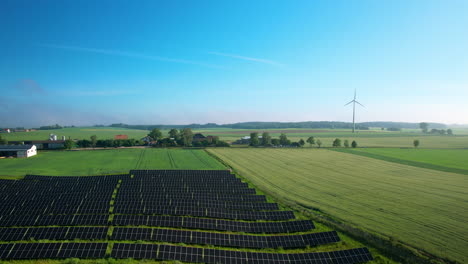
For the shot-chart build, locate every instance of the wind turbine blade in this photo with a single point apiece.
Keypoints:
(349, 103)
(354, 94)
(359, 103)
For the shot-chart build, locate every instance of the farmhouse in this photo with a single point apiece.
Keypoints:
(19, 151)
(198, 137)
(42, 144)
(117, 137)
(244, 140)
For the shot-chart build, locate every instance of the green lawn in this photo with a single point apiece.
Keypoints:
(426, 209)
(96, 162)
(450, 160)
(76, 133)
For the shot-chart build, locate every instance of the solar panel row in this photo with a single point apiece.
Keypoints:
(53, 233)
(54, 220)
(228, 240)
(198, 255)
(213, 224)
(196, 203)
(198, 196)
(208, 212)
(52, 250)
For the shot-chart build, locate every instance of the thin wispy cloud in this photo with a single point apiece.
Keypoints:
(129, 55)
(240, 57)
(101, 93)
(30, 87)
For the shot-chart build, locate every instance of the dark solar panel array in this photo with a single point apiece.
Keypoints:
(201, 255)
(226, 240)
(208, 212)
(54, 220)
(213, 224)
(52, 250)
(51, 208)
(53, 233)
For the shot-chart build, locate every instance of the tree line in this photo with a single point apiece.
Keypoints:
(282, 125)
(267, 141)
(425, 129)
(185, 138)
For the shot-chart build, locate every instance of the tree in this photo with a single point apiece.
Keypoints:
(354, 144)
(266, 139)
(284, 139)
(3, 141)
(155, 134)
(174, 133)
(346, 143)
(424, 127)
(84, 143)
(311, 140)
(68, 144)
(254, 139)
(301, 142)
(416, 143)
(319, 143)
(187, 136)
(449, 132)
(93, 141)
(275, 142)
(337, 142)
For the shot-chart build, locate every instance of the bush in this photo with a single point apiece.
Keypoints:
(337, 142)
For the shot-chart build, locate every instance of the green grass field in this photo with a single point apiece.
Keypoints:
(450, 160)
(76, 133)
(96, 162)
(423, 208)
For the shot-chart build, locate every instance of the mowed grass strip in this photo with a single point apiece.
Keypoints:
(97, 162)
(426, 209)
(449, 160)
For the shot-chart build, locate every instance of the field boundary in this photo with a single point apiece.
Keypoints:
(402, 161)
(389, 247)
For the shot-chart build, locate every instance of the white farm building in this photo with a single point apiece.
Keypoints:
(19, 151)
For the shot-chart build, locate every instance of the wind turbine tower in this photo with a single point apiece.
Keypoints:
(354, 109)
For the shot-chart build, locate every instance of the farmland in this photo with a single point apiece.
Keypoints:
(450, 160)
(81, 163)
(370, 138)
(76, 133)
(423, 208)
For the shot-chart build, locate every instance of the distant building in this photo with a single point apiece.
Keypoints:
(198, 137)
(7, 130)
(42, 144)
(244, 140)
(117, 137)
(19, 151)
(148, 140)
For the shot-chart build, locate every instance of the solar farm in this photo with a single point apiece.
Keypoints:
(194, 216)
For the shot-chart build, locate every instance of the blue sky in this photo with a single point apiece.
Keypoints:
(179, 62)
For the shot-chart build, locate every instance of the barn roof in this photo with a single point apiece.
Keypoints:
(15, 147)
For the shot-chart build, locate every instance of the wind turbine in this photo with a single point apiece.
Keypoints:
(354, 108)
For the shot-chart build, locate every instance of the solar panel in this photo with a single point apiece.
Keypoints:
(197, 255)
(82, 250)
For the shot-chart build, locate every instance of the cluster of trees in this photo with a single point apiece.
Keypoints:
(184, 138)
(337, 143)
(56, 126)
(442, 131)
(3, 141)
(93, 142)
(267, 141)
(425, 129)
